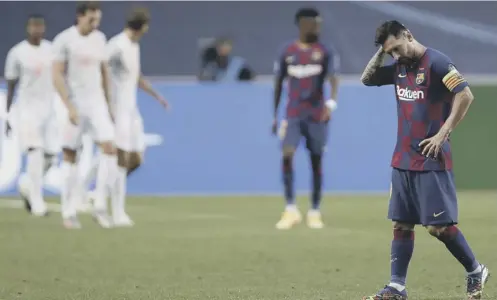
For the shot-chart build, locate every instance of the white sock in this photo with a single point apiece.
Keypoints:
(119, 194)
(70, 177)
(291, 207)
(34, 170)
(92, 172)
(476, 271)
(398, 287)
(105, 180)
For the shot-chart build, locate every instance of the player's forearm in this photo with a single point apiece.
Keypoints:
(368, 75)
(460, 107)
(145, 85)
(60, 87)
(11, 88)
(105, 83)
(278, 87)
(334, 81)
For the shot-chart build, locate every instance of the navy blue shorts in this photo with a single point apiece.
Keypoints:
(315, 134)
(423, 197)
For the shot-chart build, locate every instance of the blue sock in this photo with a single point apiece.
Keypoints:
(401, 253)
(317, 181)
(454, 240)
(288, 180)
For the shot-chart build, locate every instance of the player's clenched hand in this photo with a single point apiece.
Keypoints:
(431, 146)
(73, 115)
(326, 115)
(163, 102)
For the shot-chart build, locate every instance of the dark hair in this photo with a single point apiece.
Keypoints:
(138, 18)
(35, 17)
(306, 13)
(84, 6)
(387, 29)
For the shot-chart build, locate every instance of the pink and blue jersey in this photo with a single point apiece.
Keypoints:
(424, 94)
(306, 68)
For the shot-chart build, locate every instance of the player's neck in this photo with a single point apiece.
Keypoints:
(303, 45)
(131, 35)
(419, 50)
(34, 42)
(82, 31)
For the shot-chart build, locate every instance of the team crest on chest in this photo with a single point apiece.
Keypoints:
(289, 59)
(316, 55)
(420, 78)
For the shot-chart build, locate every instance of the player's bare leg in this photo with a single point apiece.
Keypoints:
(134, 162)
(105, 182)
(400, 256)
(119, 215)
(314, 220)
(477, 274)
(291, 216)
(69, 170)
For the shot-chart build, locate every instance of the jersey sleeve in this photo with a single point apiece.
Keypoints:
(112, 52)
(280, 65)
(443, 67)
(12, 67)
(59, 48)
(333, 61)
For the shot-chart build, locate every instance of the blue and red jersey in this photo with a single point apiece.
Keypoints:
(424, 95)
(306, 68)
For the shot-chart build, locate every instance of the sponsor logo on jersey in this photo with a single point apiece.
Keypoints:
(316, 55)
(406, 94)
(304, 71)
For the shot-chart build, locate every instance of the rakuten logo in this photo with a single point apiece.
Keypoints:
(304, 71)
(405, 94)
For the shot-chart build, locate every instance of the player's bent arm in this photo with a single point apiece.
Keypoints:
(145, 85)
(375, 74)
(12, 74)
(11, 88)
(460, 106)
(278, 88)
(58, 71)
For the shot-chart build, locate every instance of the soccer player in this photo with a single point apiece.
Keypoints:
(29, 65)
(432, 98)
(80, 59)
(306, 64)
(123, 52)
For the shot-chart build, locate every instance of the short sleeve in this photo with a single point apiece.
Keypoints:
(280, 65)
(12, 67)
(443, 67)
(59, 47)
(333, 61)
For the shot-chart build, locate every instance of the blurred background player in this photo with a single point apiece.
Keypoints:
(28, 66)
(123, 52)
(432, 98)
(88, 109)
(306, 64)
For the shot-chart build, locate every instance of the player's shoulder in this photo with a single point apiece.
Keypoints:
(437, 56)
(46, 43)
(288, 47)
(66, 34)
(97, 34)
(17, 47)
(326, 48)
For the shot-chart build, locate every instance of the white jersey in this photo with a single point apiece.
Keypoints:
(124, 61)
(83, 56)
(32, 66)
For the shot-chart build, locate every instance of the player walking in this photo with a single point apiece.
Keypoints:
(432, 98)
(123, 51)
(82, 50)
(306, 63)
(29, 65)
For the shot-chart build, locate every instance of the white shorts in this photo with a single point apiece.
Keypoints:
(95, 122)
(38, 131)
(129, 132)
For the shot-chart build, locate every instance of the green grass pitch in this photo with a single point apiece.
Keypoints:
(227, 248)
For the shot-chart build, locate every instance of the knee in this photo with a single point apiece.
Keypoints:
(135, 160)
(442, 232)
(108, 148)
(69, 155)
(288, 152)
(403, 226)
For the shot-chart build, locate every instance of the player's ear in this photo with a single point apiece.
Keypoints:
(408, 35)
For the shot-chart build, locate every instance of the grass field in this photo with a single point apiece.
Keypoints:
(227, 248)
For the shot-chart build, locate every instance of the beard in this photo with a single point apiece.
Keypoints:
(311, 38)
